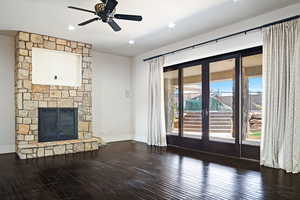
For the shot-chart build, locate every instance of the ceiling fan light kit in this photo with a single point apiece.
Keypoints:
(106, 12)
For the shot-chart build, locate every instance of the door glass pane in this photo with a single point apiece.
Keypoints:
(192, 94)
(252, 99)
(171, 94)
(221, 100)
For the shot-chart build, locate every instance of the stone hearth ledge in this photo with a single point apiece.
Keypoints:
(43, 149)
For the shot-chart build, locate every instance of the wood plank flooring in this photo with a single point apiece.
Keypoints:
(129, 170)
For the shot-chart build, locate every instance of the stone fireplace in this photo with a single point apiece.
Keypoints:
(63, 104)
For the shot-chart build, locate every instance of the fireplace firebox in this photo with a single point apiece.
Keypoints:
(55, 124)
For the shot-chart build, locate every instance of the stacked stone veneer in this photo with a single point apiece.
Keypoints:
(30, 97)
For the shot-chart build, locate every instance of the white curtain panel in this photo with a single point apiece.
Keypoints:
(280, 146)
(156, 113)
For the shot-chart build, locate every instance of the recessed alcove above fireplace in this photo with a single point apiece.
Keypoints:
(56, 124)
(52, 67)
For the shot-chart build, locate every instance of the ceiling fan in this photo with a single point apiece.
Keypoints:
(106, 12)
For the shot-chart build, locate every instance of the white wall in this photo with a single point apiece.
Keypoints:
(7, 102)
(139, 82)
(112, 97)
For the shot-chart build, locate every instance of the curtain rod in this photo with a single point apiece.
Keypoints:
(223, 37)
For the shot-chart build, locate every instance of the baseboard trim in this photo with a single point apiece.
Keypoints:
(116, 140)
(113, 142)
(10, 148)
(140, 140)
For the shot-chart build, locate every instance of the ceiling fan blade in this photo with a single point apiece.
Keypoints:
(104, 1)
(88, 21)
(110, 6)
(114, 25)
(81, 9)
(129, 17)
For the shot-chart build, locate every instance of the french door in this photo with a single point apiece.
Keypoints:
(208, 104)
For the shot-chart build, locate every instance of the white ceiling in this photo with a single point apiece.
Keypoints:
(192, 17)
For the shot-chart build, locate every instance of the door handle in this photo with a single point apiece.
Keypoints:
(206, 112)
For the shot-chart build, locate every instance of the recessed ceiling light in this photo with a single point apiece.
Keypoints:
(131, 42)
(171, 25)
(71, 27)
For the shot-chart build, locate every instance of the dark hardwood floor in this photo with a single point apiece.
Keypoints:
(128, 170)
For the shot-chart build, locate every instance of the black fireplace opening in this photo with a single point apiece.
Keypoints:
(57, 124)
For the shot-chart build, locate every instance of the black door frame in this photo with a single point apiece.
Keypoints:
(236, 149)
